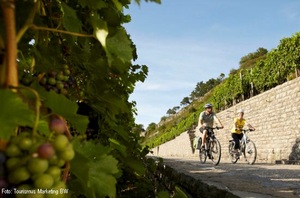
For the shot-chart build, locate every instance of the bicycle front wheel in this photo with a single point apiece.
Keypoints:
(232, 155)
(250, 152)
(215, 151)
(202, 155)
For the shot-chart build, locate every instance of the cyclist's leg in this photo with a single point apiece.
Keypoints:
(236, 141)
(240, 136)
(204, 134)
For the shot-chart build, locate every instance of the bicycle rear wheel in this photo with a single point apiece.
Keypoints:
(250, 152)
(215, 151)
(232, 155)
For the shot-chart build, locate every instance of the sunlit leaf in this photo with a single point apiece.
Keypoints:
(100, 29)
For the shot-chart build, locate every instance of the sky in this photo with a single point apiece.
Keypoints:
(185, 42)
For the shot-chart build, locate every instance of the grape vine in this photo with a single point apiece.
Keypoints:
(66, 120)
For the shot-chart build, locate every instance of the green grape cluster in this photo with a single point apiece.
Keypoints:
(59, 82)
(38, 163)
(27, 78)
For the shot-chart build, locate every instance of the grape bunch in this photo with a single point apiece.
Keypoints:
(59, 82)
(38, 163)
(27, 78)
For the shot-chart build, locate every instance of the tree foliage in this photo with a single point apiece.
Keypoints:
(185, 101)
(249, 60)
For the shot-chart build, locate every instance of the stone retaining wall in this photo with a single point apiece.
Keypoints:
(276, 116)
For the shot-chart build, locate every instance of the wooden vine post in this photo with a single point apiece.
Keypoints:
(8, 69)
(10, 58)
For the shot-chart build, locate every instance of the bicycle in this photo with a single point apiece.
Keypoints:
(212, 148)
(247, 149)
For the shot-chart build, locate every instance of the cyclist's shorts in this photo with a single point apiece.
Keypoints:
(201, 130)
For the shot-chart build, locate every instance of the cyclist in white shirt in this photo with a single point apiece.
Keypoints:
(206, 119)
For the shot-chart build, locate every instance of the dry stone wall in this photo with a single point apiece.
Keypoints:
(276, 116)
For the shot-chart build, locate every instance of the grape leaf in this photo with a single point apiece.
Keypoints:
(100, 29)
(61, 105)
(66, 108)
(70, 19)
(14, 112)
(137, 165)
(101, 180)
(95, 169)
(179, 193)
(118, 5)
(89, 150)
(119, 45)
(94, 4)
(118, 146)
(43, 127)
(163, 194)
(47, 59)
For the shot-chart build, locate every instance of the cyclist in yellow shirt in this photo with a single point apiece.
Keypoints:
(236, 132)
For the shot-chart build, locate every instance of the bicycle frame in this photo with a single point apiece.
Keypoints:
(245, 143)
(212, 147)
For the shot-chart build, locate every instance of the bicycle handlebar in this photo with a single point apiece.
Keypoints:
(245, 130)
(213, 127)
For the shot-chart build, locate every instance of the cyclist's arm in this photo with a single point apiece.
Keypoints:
(219, 122)
(235, 125)
(249, 125)
(201, 123)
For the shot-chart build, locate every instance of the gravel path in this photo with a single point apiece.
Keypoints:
(243, 180)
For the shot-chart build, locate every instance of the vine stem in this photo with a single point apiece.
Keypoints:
(2, 45)
(8, 9)
(66, 172)
(60, 31)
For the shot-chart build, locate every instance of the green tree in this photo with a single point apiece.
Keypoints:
(185, 101)
(171, 112)
(138, 128)
(151, 127)
(250, 59)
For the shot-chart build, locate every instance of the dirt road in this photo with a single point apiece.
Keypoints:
(243, 180)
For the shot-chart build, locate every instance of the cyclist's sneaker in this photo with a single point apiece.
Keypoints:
(209, 155)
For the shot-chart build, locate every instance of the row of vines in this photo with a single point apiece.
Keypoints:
(66, 73)
(280, 65)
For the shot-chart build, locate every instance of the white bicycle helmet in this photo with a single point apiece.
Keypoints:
(208, 105)
(241, 111)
